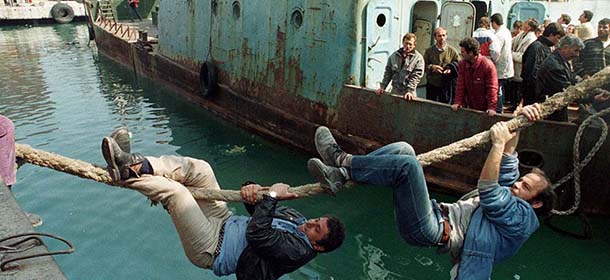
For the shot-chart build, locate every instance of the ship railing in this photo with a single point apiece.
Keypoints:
(124, 32)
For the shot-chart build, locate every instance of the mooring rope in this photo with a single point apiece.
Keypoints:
(578, 165)
(90, 171)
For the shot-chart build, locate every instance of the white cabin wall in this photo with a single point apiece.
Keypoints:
(406, 7)
(574, 8)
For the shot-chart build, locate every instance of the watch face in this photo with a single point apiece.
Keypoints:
(272, 194)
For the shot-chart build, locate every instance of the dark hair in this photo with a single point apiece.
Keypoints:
(604, 21)
(335, 236)
(470, 45)
(566, 18)
(547, 196)
(497, 19)
(409, 36)
(533, 24)
(517, 24)
(484, 22)
(553, 29)
(588, 15)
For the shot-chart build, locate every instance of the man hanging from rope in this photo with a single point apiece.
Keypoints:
(478, 231)
(274, 241)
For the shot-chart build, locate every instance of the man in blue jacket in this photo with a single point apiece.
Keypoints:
(273, 241)
(478, 231)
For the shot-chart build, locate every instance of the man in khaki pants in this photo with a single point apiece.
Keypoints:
(274, 241)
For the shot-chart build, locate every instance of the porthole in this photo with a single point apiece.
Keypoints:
(215, 7)
(381, 20)
(236, 10)
(529, 158)
(297, 18)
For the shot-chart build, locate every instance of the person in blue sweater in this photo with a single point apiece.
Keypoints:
(484, 228)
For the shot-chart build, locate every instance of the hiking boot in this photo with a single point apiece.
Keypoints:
(122, 137)
(329, 177)
(119, 162)
(327, 147)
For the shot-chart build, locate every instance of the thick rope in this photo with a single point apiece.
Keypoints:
(90, 171)
(578, 165)
(552, 104)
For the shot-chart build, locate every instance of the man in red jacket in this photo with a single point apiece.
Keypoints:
(477, 84)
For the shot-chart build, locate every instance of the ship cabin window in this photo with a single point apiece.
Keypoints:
(236, 10)
(381, 20)
(297, 18)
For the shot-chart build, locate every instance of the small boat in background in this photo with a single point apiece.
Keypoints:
(18, 11)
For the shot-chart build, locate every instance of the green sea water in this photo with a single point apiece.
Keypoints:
(64, 97)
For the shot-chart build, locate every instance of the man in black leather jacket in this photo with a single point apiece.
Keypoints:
(556, 74)
(274, 241)
(533, 57)
(272, 253)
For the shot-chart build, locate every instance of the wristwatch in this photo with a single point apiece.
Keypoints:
(272, 194)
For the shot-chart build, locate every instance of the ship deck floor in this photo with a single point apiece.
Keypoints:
(144, 25)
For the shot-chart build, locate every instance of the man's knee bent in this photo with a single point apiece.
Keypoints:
(405, 148)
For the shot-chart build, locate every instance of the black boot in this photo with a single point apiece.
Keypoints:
(119, 162)
(122, 137)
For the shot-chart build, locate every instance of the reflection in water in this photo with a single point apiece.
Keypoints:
(22, 84)
(373, 265)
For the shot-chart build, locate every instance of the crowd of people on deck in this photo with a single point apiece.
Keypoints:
(499, 71)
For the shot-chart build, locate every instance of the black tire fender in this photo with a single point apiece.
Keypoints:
(62, 13)
(207, 79)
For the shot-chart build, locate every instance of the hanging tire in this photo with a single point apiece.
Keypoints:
(62, 13)
(207, 79)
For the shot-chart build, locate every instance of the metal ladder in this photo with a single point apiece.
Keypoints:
(106, 9)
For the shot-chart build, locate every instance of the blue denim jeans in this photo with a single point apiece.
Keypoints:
(395, 165)
(501, 93)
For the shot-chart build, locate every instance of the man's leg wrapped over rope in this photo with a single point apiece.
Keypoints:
(198, 223)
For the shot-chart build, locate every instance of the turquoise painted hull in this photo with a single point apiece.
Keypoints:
(283, 80)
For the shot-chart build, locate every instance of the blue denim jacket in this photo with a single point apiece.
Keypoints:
(499, 227)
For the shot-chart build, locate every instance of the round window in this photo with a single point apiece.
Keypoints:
(381, 20)
(297, 18)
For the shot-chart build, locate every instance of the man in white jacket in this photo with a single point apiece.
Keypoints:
(519, 45)
(504, 61)
(585, 29)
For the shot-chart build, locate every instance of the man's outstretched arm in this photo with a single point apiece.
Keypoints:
(500, 137)
(503, 141)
